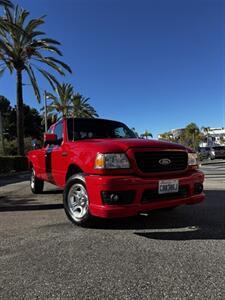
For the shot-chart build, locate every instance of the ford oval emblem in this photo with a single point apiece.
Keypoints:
(165, 161)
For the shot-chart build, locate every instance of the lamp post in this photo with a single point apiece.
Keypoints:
(46, 112)
(45, 104)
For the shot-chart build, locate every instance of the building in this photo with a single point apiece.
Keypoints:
(213, 136)
(210, 136)
(173, 134)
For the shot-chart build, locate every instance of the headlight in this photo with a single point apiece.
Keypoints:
(192, 159)
(111, 161)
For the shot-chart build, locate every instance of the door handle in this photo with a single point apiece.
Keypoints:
(64, 153)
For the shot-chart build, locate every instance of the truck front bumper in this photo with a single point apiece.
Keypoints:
(142, 193)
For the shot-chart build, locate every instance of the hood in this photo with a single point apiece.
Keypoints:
(122, 145)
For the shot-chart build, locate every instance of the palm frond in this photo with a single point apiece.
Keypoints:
(50, 78)
(65, 66)
(51, 64)
(34, 23)
(33, 82)
(2, 71)
(7, 3)
(22, 43)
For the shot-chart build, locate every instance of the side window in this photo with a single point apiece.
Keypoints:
(120, 132)
(59, 132)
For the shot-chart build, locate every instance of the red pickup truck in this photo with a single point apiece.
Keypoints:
(106, 171)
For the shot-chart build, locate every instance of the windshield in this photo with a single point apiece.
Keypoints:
(79, 129)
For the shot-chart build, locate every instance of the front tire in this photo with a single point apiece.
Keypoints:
(76, 202)
(36, 184)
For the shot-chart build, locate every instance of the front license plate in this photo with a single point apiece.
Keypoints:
(168, 186)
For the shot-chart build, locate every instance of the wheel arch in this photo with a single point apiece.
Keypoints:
(73, 170)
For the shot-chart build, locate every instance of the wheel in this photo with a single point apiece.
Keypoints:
(36, 184)
(76, 202)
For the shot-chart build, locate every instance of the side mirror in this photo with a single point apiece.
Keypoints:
(50, 138)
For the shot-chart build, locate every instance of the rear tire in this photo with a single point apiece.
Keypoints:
(76, 202)
(36, 184)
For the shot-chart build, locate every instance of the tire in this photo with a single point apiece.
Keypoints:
(36, 184)
(76, 202)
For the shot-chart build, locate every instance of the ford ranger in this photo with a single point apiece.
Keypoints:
(106, 171)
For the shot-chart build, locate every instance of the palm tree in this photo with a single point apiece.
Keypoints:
(21, 50)
(6, 3)
(61, 104)
(146, 134)
(81, 107)
(168, 136)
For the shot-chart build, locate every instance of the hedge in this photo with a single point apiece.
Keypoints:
(13, 163)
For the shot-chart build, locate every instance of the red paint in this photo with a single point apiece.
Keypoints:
(82, 154)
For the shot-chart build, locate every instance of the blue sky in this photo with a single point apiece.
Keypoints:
(153, 64)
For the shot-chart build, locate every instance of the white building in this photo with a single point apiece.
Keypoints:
(214, 136)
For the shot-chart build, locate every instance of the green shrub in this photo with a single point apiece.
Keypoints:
(13, 163)
(11, 146)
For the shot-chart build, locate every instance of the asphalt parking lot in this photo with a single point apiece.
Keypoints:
(177, 254)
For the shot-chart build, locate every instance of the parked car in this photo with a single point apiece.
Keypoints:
(203, 153)
(217, 152)
(107, 172)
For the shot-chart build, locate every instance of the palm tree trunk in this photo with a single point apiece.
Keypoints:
(19, 113)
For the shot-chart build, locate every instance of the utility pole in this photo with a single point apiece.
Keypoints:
(45, 103)
(1, 134)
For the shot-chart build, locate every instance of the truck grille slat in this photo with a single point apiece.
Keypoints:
(148, 162)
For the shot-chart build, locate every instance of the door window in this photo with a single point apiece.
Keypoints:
(59, 132)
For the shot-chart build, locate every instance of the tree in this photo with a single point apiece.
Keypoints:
(146, 134)
(6, 3)
(61, 104)
(66, 103)
(4, 105)
(168, 136)
(191, 136)
(31, 116)
(81, 107)
(21, 44)
(6, 111)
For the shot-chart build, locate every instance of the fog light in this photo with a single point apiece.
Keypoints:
(121, 197)
(114, 197)
(198, 189)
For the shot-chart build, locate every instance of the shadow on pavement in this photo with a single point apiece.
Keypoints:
(16, 178)
(52, 192)
(17, 204)
(201, 221)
